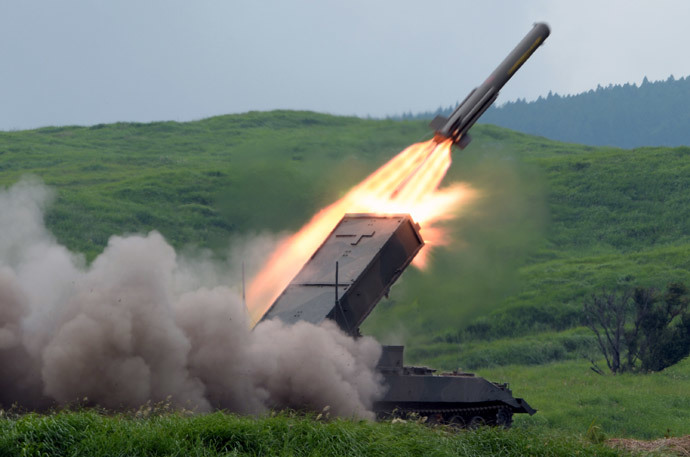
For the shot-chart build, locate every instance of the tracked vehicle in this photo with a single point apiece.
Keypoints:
(344, 280)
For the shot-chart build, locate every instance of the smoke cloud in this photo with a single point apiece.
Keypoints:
(142, 323)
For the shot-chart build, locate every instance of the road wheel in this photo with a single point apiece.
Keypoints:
(504, 418)
(476, 422)
(456, 421)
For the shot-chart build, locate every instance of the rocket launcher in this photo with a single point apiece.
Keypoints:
(350, 272)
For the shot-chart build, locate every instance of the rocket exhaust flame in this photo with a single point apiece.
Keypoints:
(408, 183)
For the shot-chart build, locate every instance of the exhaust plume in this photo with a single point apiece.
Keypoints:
(142, 324)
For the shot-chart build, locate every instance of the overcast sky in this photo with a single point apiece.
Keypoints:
(91, 61)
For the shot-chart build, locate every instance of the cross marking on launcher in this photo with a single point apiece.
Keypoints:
(355, 243)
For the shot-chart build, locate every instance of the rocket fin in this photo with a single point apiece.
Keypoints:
(438, 122)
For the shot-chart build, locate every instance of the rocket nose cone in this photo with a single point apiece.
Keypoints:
(543, 29)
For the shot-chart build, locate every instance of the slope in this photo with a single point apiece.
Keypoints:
(554, 223)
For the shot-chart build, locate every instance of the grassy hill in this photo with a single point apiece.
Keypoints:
(195, 182)
(611, 217)
(554, 223)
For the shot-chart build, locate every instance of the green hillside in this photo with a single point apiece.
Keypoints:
(609, 217)
(195, 182)
(554, 223)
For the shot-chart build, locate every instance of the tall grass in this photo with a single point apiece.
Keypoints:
(94, 434)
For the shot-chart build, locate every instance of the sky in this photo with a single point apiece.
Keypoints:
(84, 62)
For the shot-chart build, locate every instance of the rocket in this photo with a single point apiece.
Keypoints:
(455, 126)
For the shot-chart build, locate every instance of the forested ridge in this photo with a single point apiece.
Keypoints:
(628, 116)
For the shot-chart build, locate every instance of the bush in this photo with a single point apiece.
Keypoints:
(641, 330)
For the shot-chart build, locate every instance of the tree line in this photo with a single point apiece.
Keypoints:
(628, 116)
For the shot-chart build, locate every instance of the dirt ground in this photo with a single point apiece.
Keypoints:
(679, 446)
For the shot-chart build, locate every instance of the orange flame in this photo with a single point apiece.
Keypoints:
(408, 183)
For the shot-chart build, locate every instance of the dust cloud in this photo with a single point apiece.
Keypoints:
(142, 323)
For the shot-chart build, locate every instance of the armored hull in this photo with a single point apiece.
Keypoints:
(344, 280)
(456, 398)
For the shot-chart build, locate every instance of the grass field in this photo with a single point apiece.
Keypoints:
(569, 397)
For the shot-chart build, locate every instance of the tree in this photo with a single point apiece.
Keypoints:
(641, 329)
(660, 336)
(605, 315)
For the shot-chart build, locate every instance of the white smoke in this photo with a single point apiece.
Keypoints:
(141, 323)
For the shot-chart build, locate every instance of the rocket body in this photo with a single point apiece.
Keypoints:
(456, 126)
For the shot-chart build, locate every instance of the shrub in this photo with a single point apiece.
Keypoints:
(641, 329)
